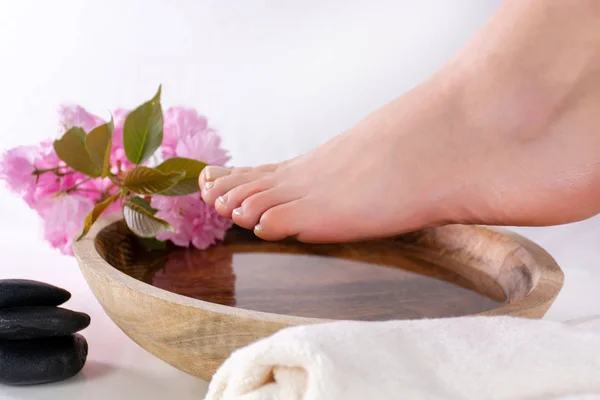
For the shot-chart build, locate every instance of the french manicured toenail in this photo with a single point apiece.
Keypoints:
(208, 185)
(223, 199)
(258, 228)
(239, 211)
(213, 172)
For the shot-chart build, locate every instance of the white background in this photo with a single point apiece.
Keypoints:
(276, 78)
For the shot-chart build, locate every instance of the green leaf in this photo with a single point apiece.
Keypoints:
(71, 149)
(143, 223)
(143, 130)
(98, 143)
(145, 204)
(191, 170)
(145, 180)
(95, 213)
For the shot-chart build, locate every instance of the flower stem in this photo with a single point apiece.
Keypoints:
(43, 171)
(90, 190)
(64, 173)
(55, 170)
(75, 186)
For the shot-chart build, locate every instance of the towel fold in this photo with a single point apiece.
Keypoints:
(482, 358)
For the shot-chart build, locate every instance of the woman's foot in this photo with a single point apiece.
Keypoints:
(363, 183)
(505, 134)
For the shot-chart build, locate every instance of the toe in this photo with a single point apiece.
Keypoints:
(285, 220)
(260, 168)
(213, 172)
(252, 208)
(212, 190)
(233, 199)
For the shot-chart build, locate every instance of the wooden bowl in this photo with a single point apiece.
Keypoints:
(193, 308)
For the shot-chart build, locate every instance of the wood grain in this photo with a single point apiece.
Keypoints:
(477, 270)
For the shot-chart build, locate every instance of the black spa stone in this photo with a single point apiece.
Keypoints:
(36, 361)
(23, 292)
(36, 322)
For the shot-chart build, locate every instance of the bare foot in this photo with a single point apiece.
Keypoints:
(507, 134)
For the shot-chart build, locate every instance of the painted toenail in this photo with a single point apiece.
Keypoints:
(258, 228)
(223, 199)
(208, 185)
(212, 172)
(239, 211)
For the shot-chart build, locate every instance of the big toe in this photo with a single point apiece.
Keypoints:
(251, 208)
(293, 219)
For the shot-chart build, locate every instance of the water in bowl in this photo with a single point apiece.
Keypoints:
(371, 281)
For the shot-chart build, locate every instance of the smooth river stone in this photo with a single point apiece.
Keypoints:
(37, 322)
(23, 292)
(35, 361)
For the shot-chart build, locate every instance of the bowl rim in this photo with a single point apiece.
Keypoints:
(547, 287)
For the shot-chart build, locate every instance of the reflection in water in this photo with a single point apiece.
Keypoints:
(200, 274)
(368, 281)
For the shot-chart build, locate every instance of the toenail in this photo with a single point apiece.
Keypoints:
(212, 172)
(239, 211)
(258, 228)
(208, 185)
(223, 199)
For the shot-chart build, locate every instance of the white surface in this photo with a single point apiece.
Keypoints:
(275, 77)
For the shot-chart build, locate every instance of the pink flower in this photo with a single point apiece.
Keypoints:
(63, 217)
(204, 147)
(50, 183)
(187, 134)
(17, 168)
(64, 197)
(181, 122)
(193, 220)
(73, 115)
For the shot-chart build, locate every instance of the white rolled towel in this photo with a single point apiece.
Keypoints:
(479, 358)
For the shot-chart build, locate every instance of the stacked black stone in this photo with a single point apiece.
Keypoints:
(38, 340)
